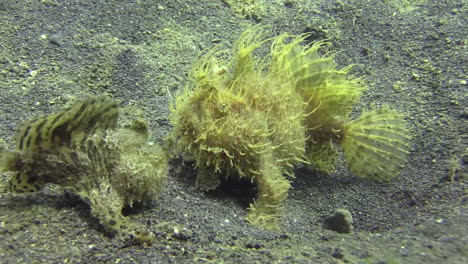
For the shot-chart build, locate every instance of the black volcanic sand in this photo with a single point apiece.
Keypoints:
(412, 54)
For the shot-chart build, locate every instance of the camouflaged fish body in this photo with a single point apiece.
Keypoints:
(85, 149)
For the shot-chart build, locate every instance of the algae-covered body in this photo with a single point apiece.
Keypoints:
(242, 122)
(88, 149)
(255, 118)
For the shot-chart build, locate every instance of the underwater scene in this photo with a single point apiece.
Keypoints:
(233, 131)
